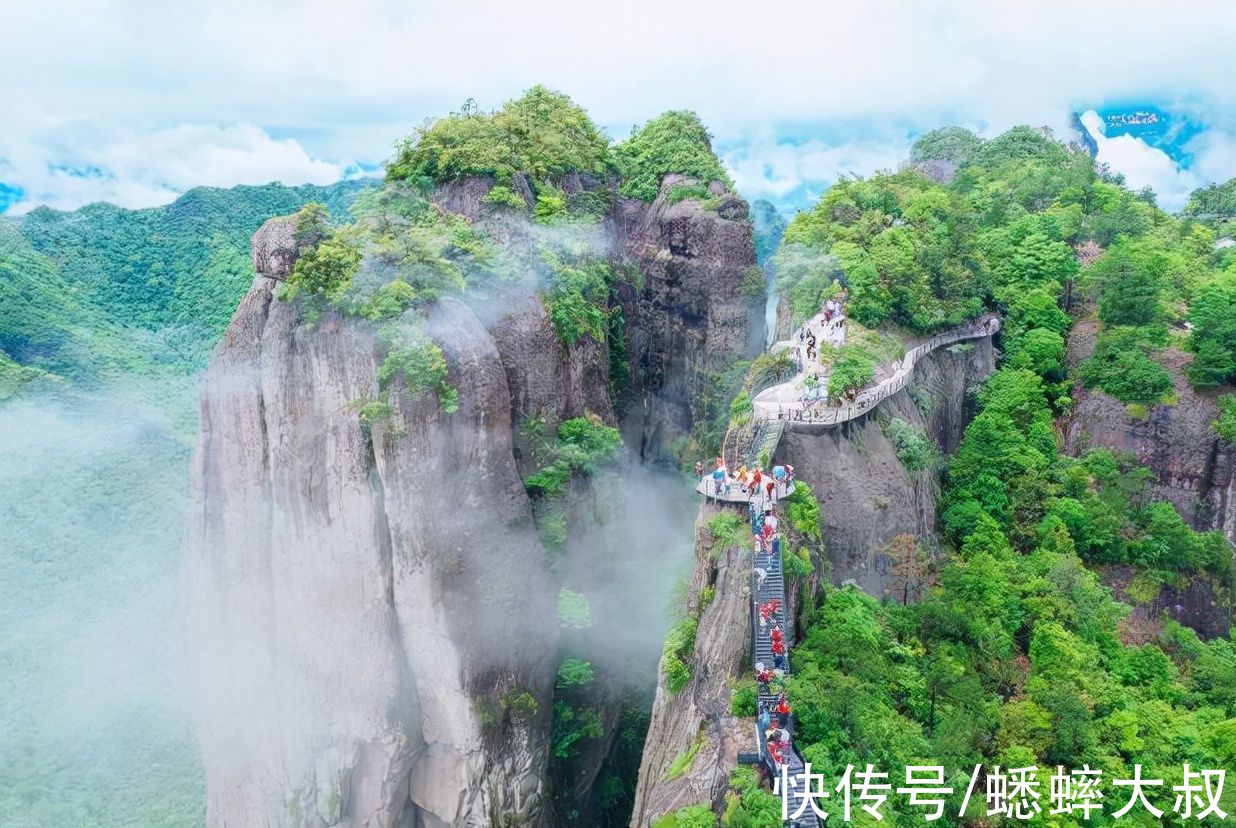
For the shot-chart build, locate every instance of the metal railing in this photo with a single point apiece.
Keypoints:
(814, 413)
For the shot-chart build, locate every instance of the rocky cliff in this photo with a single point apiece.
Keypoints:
(1194, 469)
(697, 717)
(866, 498)
(699, 307)
(371, 612)
(355, 629)
(866, 495)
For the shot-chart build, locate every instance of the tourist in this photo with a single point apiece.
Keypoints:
(718, 479)
(770, 519)
(769, 488)
(778, 651)
(763, 675)
(699, 470)
(783, 711)
(761, 575)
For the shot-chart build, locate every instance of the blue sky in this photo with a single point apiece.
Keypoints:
(135, 102)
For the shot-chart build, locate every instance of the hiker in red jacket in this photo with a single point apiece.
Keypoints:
(783, 711)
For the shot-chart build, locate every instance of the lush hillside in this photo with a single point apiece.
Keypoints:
(1018, 655)
(102, 290)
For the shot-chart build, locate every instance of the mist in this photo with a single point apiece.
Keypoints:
(92, 496)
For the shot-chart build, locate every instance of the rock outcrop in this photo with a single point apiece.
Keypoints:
(1194, 469)
(697, 717)
(866, 495)
(359, 637)
(700, 305)
(371, 612)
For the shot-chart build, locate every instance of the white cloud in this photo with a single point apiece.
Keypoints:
(346, 79)
(784, 170)
(1145, 166)
(143, 169)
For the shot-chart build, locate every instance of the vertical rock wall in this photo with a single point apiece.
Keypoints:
(866, 495)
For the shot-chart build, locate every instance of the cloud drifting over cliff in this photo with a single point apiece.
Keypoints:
(328, 82)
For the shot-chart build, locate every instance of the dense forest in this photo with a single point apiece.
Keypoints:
(103, 292)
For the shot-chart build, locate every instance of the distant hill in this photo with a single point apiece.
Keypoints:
(103, 290)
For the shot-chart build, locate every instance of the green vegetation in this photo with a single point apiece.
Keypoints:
(419, 364)
(728, 529)
(674, 142)
(803, 511)
(570, 724)
(954, 144)
(914, 449)
(542, 133)
(676, 654)
(684, 760)
(1225, 425)
(928, 255)
(1123, 366)
(577, 298)
(104, 291)
(683, 192)
(743, 698)
(747, 805)
(324, 270)
(581, 445)
(573, 610)
(1213, 200)
(853, 369)
(1214, 331)
(692, 816)
(574, 672)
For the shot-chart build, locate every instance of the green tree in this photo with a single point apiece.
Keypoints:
(673, 142)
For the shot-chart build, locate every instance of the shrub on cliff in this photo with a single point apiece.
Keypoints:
(673, 142)
(420, 364)
(1225, 424)
(1213, 314)
(1122, 365)
(324, 271)
(853, 369)
(576, 297)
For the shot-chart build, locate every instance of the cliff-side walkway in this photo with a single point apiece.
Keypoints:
(793, 401)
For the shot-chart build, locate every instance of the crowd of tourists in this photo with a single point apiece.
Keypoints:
(772, 706)
(758, 487)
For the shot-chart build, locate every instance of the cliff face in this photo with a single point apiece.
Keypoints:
(371, 612)
(356, 629)
(692, 316)
(1194, 469)
(699, 713)
(866, 495)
